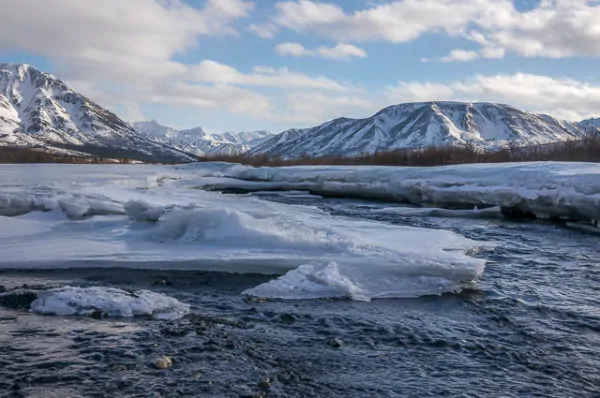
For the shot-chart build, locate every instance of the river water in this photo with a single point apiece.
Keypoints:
(530, 327)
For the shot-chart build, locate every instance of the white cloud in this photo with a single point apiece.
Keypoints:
(232, 98)
(468, 55)
(339, 52)
(555, 28)
(130, 112)
(560, 97)
(294, 49)
(493, 52)
(145, 30)
(122, 53)
(214, 72)
(265, 31)
(460, 56)
(396, 21)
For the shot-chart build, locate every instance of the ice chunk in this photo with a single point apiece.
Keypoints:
(14, 205)
(74, 205)
(77, 208)
(362, 283)
(72, 300)
(139, 210)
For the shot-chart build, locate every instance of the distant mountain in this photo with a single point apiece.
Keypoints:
(247, 139)
(196, 141)
(39, 110)
(591, 123)
(421, 124)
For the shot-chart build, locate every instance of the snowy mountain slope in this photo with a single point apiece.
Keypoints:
(39, 110)
(415, 125)
(196, 141)
(591, 123)
(248, 139)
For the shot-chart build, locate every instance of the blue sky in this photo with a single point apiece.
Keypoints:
(233, 65)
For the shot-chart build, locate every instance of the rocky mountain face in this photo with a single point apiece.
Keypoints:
(40, 111)
(196, 141)
(416, 125)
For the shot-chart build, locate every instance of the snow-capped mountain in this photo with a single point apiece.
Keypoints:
(247, 139)
(39, 110)
(422, 124)
(196, 141)
(591, 123)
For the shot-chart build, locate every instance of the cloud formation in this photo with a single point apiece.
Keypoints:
(561, 97)
(122, 53)
(554, 29)
(339, 52)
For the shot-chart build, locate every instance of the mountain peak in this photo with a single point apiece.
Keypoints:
(37, 109)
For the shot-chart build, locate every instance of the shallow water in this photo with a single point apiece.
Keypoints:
(529, 327)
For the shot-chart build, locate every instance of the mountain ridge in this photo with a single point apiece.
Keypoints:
(420, 124)
(200, 143)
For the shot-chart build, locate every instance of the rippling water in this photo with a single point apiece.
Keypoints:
(529, 327)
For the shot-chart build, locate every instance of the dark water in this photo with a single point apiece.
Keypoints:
(529, 328)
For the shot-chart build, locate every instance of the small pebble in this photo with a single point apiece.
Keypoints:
(162, 282)
(2, 289)
(265, 383)
(255, 299)
(335, 343)
(287, 318)
(98, 314)
(163, 362)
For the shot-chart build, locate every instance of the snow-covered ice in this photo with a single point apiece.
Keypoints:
(73, 300)
(156, 217)
(545, 189)
(160, 217)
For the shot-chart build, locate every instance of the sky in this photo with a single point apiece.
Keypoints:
(240, 65)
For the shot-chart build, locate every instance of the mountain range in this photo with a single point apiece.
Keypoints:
(197, 142)
(38, 110)
(421, 124)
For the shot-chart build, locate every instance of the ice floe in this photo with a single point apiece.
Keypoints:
(108, 301)
(155, 217)
(565, 190)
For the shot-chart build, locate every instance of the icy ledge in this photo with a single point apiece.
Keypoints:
(108, 301)
(561, 190)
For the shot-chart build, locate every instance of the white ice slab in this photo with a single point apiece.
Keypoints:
(547, 189)
(155, 217)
